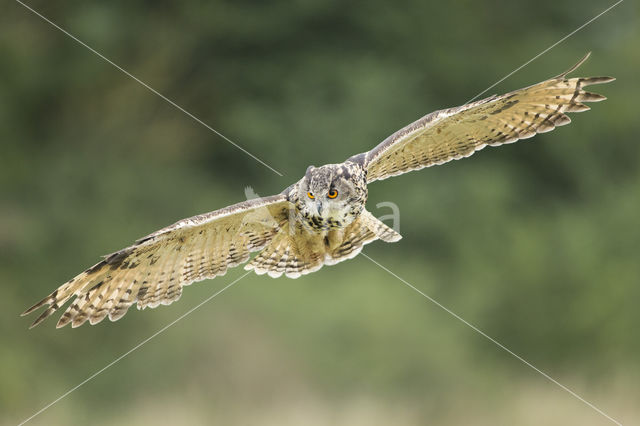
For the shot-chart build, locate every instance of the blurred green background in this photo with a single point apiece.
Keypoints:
(536, 243)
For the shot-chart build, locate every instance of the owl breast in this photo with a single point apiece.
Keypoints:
(332, 218)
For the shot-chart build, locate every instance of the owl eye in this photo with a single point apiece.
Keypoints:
(310, 195)
(332, 194)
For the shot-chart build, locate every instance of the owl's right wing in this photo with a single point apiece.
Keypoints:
(154, 270)
(455, 133)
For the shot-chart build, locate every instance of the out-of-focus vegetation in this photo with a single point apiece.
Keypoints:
(536, 243)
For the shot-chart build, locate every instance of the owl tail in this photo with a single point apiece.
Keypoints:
(298, 252)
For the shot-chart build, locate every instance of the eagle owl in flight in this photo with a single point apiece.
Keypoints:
(321, 219)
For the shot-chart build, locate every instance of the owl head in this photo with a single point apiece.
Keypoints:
(332, 195)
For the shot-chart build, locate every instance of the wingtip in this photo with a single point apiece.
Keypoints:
(34, 307)
(588, 81)
(41, 318)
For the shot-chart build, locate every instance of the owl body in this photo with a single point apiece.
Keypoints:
(319, 220)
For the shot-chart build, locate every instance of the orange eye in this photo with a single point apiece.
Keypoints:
(332, 194)
(310, 195)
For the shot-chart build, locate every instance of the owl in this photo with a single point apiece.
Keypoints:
(320, 220)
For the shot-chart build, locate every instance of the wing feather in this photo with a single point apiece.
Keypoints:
(154, 270)
(459, 132)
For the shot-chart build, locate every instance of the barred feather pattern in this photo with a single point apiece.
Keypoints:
(457, 133)
(290, 253)
(362, 231)
(155, 269)
(302, 250)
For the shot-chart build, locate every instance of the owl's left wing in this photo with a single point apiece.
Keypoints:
(155, 269)
(456, 133)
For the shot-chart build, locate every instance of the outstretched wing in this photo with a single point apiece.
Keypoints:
(455, 133)
(154, 270)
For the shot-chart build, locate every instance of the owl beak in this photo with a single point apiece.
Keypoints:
(319, 206)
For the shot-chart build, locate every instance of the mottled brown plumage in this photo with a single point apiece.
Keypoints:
(454, 133)
(319, 220)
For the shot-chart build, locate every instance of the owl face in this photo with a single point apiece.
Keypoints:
(331, 196)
